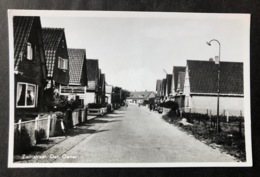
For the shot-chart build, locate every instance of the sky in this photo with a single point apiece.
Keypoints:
(134, 49)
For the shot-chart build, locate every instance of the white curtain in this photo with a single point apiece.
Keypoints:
(19, 91)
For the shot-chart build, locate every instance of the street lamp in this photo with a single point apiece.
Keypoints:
(209, 43)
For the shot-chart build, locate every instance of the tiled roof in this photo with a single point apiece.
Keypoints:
(176, 70)
(181, 79)
(76, 61)
(203, 77)
(22, 28)
(51, 40)
(140, 95)
(92, 69)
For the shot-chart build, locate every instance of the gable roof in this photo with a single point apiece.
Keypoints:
(76, 58)
(92, 73)
(140, 95)
(51, 40)
(176, 70)
(164, 87)
(203, 77)
(181, 79)
(92, 69)
(168, 83)
(22, 28)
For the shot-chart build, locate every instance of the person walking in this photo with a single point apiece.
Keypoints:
(63, 128)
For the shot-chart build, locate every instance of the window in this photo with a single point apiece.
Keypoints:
(29, 51)
(63, 63)
(26, 95)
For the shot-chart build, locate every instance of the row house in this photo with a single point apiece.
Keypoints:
(57, 58)
(177, 89)
(44, 66)
(29, 66)
(93, 80)
(77, 76)
(200, 87)
(102, 85)
(109, 94)
(168, 85)
(159, 88)
(175, 76)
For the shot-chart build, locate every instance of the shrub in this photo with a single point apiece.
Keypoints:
(22, 141)
(39, 135)
(170, 105)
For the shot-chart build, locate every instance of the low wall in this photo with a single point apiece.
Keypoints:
(45, 123)
(78, 116)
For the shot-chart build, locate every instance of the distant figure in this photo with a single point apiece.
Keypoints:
(126, 105)
(63, 127)
(151, 106)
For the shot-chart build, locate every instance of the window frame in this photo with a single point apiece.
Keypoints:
(26, 89)
(29, 51)
(64, 60)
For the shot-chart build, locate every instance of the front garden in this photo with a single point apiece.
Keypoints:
(230, 139)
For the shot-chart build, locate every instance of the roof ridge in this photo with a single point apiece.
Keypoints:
(51, 28)
(189, 60)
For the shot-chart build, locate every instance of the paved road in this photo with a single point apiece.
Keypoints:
(134, 135)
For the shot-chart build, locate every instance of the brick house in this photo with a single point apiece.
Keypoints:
(29, 66)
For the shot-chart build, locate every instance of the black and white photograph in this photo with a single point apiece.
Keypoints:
(129, 89)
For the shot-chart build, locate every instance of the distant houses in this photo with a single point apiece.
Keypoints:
(194, 87)
(140, 97)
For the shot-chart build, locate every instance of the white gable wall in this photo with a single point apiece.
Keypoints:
(233, 105)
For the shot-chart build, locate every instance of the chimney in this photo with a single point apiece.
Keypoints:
(217, 60)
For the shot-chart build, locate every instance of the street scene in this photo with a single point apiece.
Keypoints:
(128, 88)
(133, 135)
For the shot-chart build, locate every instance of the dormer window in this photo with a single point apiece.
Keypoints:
(63, 63)
(29, 51)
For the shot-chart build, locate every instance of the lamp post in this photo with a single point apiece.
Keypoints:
(218, 89)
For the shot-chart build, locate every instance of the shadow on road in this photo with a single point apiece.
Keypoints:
(79, 131)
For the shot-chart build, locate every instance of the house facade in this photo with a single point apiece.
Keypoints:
(109, 94)
(179, 97)
(29, 66)
(77, 76)
(175, 75)
(200, 87)
(57, 58)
